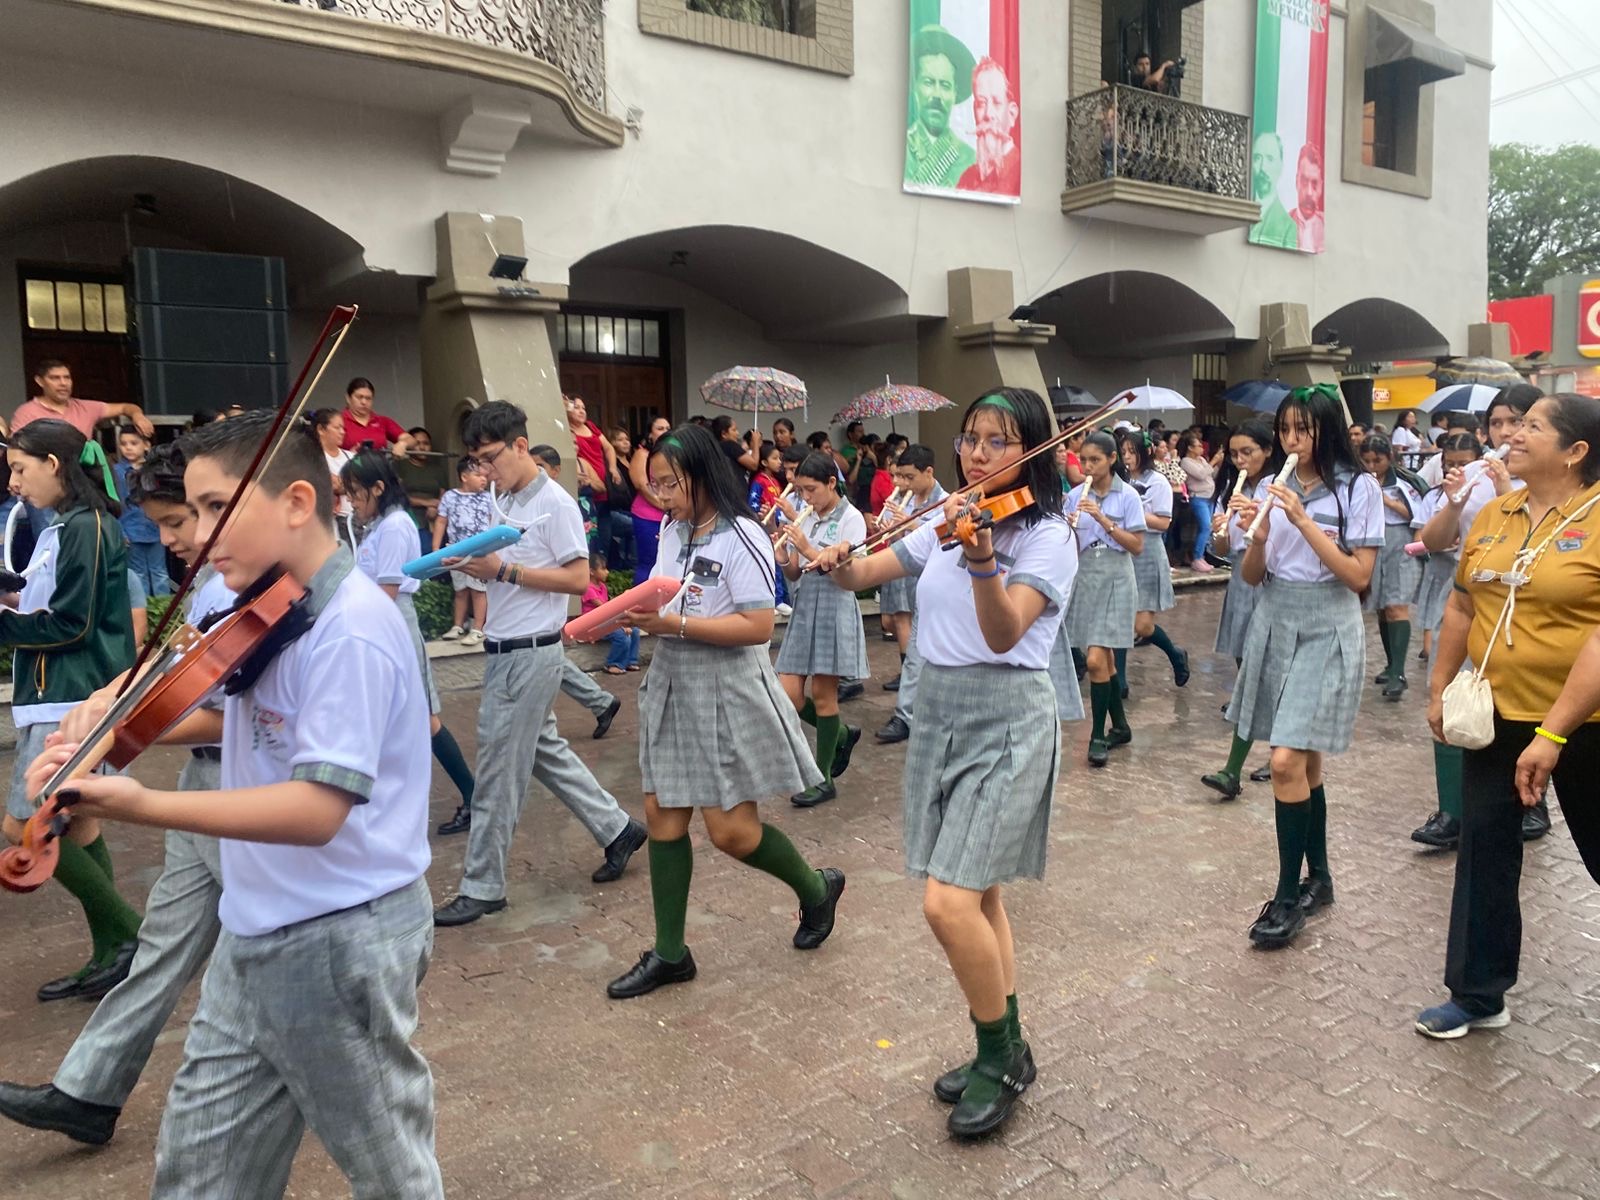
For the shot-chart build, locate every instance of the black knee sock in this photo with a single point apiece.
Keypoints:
(455, 766)
(1119, 719)
(1293, 825)
(1317, 833)
(1098, 705)
(1399, 644)
(1383, 637)
(1159, 639)
(1079, 663)
(1121, 677)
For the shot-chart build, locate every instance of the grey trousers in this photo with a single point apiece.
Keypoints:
(517, 737)
(180, 926)
(580, 685)
(910, 672)
(308, 1026)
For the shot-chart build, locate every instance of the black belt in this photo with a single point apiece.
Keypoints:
(209, 753)
(527, 643)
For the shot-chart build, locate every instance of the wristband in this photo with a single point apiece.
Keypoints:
(970, 561)
(1554, 737)
(984, 574)
(516, 574)
(683, 626)
(500, 575)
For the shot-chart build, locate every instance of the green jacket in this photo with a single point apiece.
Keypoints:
(79, 636)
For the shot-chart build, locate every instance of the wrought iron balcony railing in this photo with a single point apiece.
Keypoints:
(567, 34)
(1133, 133)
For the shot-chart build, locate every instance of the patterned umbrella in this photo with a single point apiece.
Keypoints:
(1261, 395)
(754, 390)
(1490, 371)
(1460, 397)
(889, 401)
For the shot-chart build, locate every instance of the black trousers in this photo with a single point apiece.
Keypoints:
(1485, 941)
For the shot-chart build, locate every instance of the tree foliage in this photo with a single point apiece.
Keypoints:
(1544, 216)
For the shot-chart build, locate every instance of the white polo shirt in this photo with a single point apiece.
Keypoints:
(341, 705)
(1121, 506)
(844, 523)
(727, 570)
(1290, 557)
(1399, 489)
(1404, 440)
(1044, 558)
(555, 541)
(387, 547)
(1155, 493)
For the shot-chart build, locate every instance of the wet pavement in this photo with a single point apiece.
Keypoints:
(1173, 1059)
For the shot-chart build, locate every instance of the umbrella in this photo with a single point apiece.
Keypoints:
(1489, 371)
(1460, 397)
(1261, 395)
(754, 390)
(1071, 399)
(891, 400)
(1153, 399)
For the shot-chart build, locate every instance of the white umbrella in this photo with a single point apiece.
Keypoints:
(1153, 399)
(1460, 397)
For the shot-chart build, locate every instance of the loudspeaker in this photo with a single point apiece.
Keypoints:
(237, 335)
(178, 388)
(203, 280)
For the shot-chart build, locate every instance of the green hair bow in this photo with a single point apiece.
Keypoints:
(94, 456)
(1302, 395)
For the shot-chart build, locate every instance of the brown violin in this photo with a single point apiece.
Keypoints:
(980, 512)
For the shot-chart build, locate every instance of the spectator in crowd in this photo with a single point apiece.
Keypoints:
(147, 558)
(1201, 475)
(624, 653)
(1358, 435)
(783, 433)
(365, 427)
(646, 509)
(726, 430)
(1152, 80)
(621, 552)
(426, 477)
(597, 467)
(53, 378)
(463, 511)
(329, 424)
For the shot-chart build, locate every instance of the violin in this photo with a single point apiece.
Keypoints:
(980, 512)
(167, 684)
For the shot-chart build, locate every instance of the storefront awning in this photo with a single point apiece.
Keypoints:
(1394, 43)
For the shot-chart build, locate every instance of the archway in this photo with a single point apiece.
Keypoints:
(1378, 330)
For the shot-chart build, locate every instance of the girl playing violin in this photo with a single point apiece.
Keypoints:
(985, 747)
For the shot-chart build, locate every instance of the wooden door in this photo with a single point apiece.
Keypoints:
(626, 394)
(587, 380)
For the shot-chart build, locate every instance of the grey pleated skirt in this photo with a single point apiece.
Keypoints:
(980, 775)
(1103, 598)
(408, 610)
(1433, 593)
(1300, 682)
(824, 635)
(898, 595)
(1153, 574)
(1237, 604)
(1396, 576)
(716, 730)
(1064, 678)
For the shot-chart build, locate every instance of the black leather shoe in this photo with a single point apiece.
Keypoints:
(1395, 688)
(847, 746)
(620, 851)
(102, 979)
(1535, 822)
(649, 973)
(1262, 774)
(459, 823)
(813, 796)
(851, 689)
(1118, 737)
(892, 685)
(1382, 677)
(68, 987)
(464, 910)
(895, 731)
(969, 1120)
(1180, 672)
(1223, 783)
(49, 1108)
(1316, 894)
(1099, 752)
(948, 1087)
(1440, 830)
(602, 723)
(1278, 923)
(816, 922)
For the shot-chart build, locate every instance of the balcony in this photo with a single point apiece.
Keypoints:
(1139, 158)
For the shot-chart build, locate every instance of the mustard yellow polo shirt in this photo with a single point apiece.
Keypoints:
(1556, 612)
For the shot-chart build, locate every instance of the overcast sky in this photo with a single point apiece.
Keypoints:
(1536, 41)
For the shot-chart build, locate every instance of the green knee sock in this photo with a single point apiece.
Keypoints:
(101, 853)
(1014, 1020)
(1120, 658)
(1447, 766)
(112, 921)
(448, 752)
(995, 1050)
(808, 714)
(1239, 751)
(829, 731)
(1399, 644)
(1098, 705)
(1159, 639)
(1119, 719)
(671, 869)
(1293, 822)
(1317, 833)
(1383, 637)
(777, 856)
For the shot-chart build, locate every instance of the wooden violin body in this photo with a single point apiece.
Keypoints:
(982, 512)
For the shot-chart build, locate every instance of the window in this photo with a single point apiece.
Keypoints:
(772, 14)
(73, 306)
(608, 336)
(816, 34)
(1389, 122)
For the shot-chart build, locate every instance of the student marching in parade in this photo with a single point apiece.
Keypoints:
(985, 748)
(1108, 520)
(388, 542)
(1300, 682)
(180, 923)
(716, 731)
(1397, 575)
(323, 819)
(824, 642)
(1151, 569)
(71, 634)
(1249, 449)
(913, 476)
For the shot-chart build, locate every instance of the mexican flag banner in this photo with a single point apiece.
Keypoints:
(1291, 120)
(964, 101)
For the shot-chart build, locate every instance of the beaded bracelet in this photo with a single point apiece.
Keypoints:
(984, 574)
(1554, 737)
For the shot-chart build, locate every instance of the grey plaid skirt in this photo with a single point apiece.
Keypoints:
(716, 730)
(980, 775)
(1304, 659)
(898, 595)
(1433, 593)
(1397, 575)
(1064, 677)
(1237, 605)
(1153, 574)
(824, 635)
(30, 744)
(408, 610)
(1103, 597)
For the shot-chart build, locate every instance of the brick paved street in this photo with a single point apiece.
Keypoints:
(1173, 1060)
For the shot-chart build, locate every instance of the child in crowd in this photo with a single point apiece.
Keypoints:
(624, 656)
(147, 558)
(465, 510)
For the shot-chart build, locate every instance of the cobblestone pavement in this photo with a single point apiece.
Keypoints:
(1173, 1060)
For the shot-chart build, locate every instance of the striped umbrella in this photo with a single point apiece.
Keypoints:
(1489, 371)
(755, 390)
(890, 401)
(1460, 397)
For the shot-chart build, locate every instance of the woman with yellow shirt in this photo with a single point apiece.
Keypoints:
(1545, 540)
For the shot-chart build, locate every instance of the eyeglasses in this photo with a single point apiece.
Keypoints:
(966, 443)
(484, 462)
(670, 484)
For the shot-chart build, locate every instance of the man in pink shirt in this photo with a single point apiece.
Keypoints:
(56, 401)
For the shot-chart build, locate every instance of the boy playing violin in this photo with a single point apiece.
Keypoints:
(309, 1003)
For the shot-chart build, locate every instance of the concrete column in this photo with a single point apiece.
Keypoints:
(490, 339)
(1489, 340)
(1285, 351)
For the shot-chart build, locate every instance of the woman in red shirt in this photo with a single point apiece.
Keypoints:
(363, 427)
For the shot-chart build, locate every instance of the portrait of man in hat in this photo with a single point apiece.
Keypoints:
(941, 78)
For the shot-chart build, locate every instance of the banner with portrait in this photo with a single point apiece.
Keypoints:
(964, 101)
(1288, 141)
